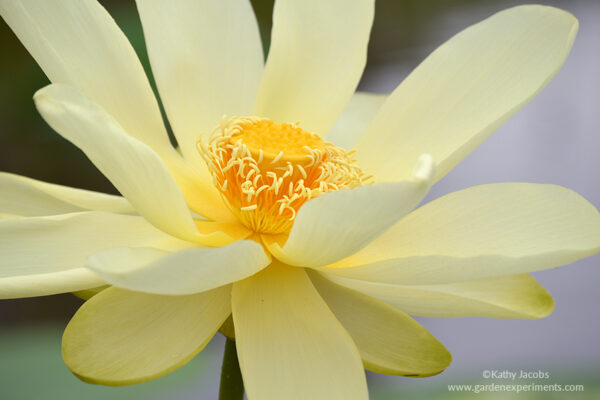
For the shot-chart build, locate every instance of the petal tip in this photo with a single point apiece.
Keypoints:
(424, 169)
(45, 104)
(545, 307)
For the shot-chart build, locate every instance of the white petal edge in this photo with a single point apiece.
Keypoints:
(389, 340)
(207, 59)
(511, 296)
(355, 119)
(122, 338)
(290, 345)
(466, 89)
(47, 255)
(76, 42)
(30, 198)
(479, 232)
(182, 272)
(338, 224)
(315, 61)
(133, 167)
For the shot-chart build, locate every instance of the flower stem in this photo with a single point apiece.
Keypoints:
(232, 386)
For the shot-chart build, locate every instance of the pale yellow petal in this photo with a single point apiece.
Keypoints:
(483, 231)
(87, 294)
(317, 55)
(120, 337)
(338, 224)
(290, 345)
(199, 191)
(134, 168)
(76, 42)
(3, 215)
(207, 59)
(30, 198)
(47, 255)
(466, 89)
(223, 232)
(511, 296)
(227, 328)
(389, 341)
(355, 119)
(20, 284)
(183, 272)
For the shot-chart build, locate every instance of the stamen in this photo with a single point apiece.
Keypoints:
(277, 158)
(266, 171)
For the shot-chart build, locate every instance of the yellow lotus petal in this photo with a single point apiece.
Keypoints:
(3, 215)
(87, 294)
(290, 345)
(201, 195)
(337, 224)
(182, 272)
(466, 89)
(31, 198)
(511, 296)
(355, 118)
(47, 255)
(76, 42)
(225, 232)
(389, 341)
(20, 284)
(121, 338)
(227, 328)
(135, 169)
(207, 59)
(316, 58)
(483, 231)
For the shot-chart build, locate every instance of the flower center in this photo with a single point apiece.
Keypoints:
(266, 171)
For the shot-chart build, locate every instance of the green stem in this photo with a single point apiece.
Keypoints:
(232, 386)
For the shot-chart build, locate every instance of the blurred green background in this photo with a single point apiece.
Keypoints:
(30, 329)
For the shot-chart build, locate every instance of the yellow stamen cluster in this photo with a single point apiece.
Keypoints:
(266, 171)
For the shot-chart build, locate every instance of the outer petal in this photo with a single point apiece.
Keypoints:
(135, 170)
(479, 232)
(466, 89)
(29, 198)
(76, 42)
(511, 296)
(355, 119)
(290, 346)
(47, 255)
(87, 294)
(389, 341)
(338, 224)
(121, 338)
(207, 59)
(184, 272)
(316, 58)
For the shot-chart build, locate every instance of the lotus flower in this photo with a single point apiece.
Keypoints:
(289, 203)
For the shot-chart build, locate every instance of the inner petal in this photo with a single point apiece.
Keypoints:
(266, 171)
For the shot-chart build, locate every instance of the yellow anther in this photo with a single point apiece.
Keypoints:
(278, 143)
